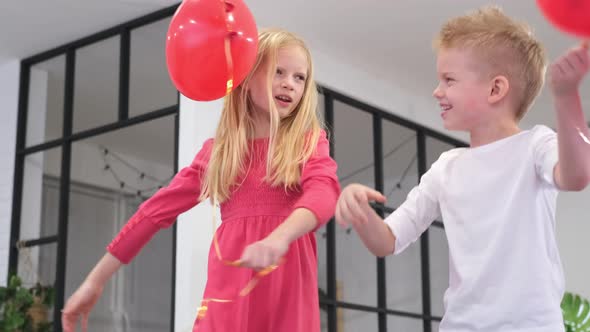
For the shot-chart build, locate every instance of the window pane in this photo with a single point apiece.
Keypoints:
(438, 247)
(36, 268)
(111, 175)
(40, 201)
(354, 153)
(356, 320)
(400, 167)
(322, 260)
(405, 324)
(46, 101)
(439, 268)
(434, 148)
(404, 280)
(150, 87)
(96, 91)
(403, 272)
(435, 325)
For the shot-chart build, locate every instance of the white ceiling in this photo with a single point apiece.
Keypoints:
(389, 40)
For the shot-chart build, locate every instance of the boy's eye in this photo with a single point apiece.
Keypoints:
(301, 77)
(279, 71)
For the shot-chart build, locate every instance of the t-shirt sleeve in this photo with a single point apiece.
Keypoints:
(419, 210)
(546, 153)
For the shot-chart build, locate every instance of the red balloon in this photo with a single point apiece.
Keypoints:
(198, 61)
(571, 16)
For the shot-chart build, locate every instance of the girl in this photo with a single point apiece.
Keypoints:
(269, 169)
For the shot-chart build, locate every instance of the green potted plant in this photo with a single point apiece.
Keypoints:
(576, 313)
(25, 309)
(39, 311)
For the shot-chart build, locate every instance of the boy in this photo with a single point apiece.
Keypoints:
(496, 198)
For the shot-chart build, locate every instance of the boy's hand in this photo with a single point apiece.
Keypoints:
(353, 205)
(567, 72)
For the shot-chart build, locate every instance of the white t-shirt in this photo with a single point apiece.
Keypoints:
(497, 203)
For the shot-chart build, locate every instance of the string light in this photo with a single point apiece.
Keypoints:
(154, 184)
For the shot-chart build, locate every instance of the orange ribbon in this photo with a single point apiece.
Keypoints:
(202, 310)
(227, 9)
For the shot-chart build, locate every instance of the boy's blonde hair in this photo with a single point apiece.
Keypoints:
(292, 139)
(507, 46)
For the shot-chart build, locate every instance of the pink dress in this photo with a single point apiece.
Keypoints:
(286, 300)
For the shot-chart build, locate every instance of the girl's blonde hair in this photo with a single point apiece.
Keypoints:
(292, 140)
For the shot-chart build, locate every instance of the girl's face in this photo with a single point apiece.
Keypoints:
(288, 82)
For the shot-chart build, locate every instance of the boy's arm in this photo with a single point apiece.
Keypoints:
(400, 229)
(376, 235)
(353, 208)
(572, 171)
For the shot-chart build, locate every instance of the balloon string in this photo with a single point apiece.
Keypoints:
(227, 41)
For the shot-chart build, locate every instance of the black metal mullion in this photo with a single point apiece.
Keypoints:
(175, 227)
(366, 308)
(166, 111)
(37, 242)
(392, 117)
(102, 35)
(124, 69)
(331, 226)
(19, 166)
(381, 268)
(64, 189)
(424, 244)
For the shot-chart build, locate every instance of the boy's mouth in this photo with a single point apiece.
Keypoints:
(445, 108)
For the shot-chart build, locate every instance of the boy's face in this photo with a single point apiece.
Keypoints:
(463, 89)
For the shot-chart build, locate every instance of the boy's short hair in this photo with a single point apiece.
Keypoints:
(507, 46)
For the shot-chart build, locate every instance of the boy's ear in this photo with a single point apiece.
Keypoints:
(499, 87)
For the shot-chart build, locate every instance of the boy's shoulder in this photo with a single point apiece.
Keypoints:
(451, 154)
(542, 130)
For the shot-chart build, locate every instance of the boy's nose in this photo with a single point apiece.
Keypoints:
(437, 93)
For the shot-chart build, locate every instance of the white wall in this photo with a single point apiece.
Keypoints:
(9, 80)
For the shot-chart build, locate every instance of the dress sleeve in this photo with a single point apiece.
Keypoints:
(319, 183)
(161, 210)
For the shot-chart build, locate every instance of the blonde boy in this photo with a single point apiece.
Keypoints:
(496, 198)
